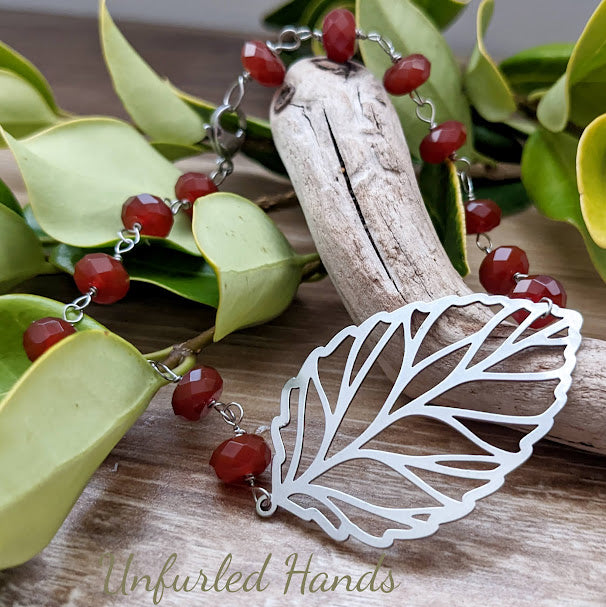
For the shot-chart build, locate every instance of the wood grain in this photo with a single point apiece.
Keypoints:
(538, 541)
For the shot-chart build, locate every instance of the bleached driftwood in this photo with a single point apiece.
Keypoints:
(341, 142)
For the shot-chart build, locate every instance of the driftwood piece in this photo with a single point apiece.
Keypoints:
(341, 142)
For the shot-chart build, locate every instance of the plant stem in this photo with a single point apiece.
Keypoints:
(284, 199)
(177, 353)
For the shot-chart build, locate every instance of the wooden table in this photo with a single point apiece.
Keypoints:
(538, 541)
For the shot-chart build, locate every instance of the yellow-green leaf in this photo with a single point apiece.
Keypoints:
(21, 254)
(591, 179)
(149, 99)
(485, 85)
(257, 270)
(23, 110)
(442, 12)
(412, 31)
(549, 176)
(579, 95)
(13, 61)
(443, 198)
(7, 198)
(57, 425)
(79, 173)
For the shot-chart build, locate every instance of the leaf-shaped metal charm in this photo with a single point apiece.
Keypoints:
(291, 480)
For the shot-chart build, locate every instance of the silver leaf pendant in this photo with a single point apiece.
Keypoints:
(298, 486)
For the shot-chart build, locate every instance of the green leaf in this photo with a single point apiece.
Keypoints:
(17, 312)
(412, 32)
(536, 68)
(257, 270)
(579, 95)
(12, 61)
(184, 275)
(442, 12)
(79, 173)
(21, 255)
(177, 151)
(510, 194)
(485, 84)
(57, 425)
(591, 179)
(22, 109)
(549, 175)
(149, 99)
(497, 141)
(441, 192)
(32, 222)
(7, 198)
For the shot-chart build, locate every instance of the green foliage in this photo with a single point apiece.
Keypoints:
(182, 274)
(442, 195)
(21, 255)
(257, 270)
(486, 86)
(7, 198)
(579, 95)
(59, 418)
(549, 175)
(412, 31)
(79, 173)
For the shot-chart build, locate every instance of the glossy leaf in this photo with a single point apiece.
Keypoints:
(22, 109)
(57, 425)
(442, 12)
(485, 84)
(32, 222)
(536, 68)
(21, 255)
(510, 195)
(177, 151)
(549, 176)
(498, 141)
(149, 99)
(13, 61)
(7, 198)
(579, 95)
(257, 270)
(591, 178)
(440, 187)
(78, 175)
(17, 312)
(184, 275)
(412, 32)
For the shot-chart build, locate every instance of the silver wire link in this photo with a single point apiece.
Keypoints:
(385, 44)
(176, 205)
(465, 177)
(225, 167)
(290, 39)
(261, 496)
(239, 89)
(223, 142)
(549, 307)
(77, 306)
(234, 419)
(421, 103)
(487, 247)
(165, 372)
(128, 240)
(519, 276)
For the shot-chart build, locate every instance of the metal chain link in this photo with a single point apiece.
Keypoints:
(487, 247)
(127, 240)
(77, 306)
(385, 44)
(165, 372)
(176, 205)
(226, 411)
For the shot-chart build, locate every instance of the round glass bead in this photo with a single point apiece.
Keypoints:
(44, 333)
(499, 267)
(105, 273)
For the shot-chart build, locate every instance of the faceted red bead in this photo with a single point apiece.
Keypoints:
(44, 333)
(191, 186)
(339, 35)
(442, 141)
(499, 267)
(105, 273)
(264, 66)
(482, 216)
(407, 74)
(240, 456)
(536, 288)
(198, 389)
(150, 212)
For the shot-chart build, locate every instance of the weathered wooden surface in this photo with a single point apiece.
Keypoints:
(538, 541)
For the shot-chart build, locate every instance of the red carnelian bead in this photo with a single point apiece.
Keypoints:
(407, 74)
(150, 212)
(499, 267)
(482, 216)
(191, 186)
(44, 333)
(264, 66)
(240, 456)
(535, 288)
(442, 141)
(198, 389)
(103, 272)
(339, 35)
